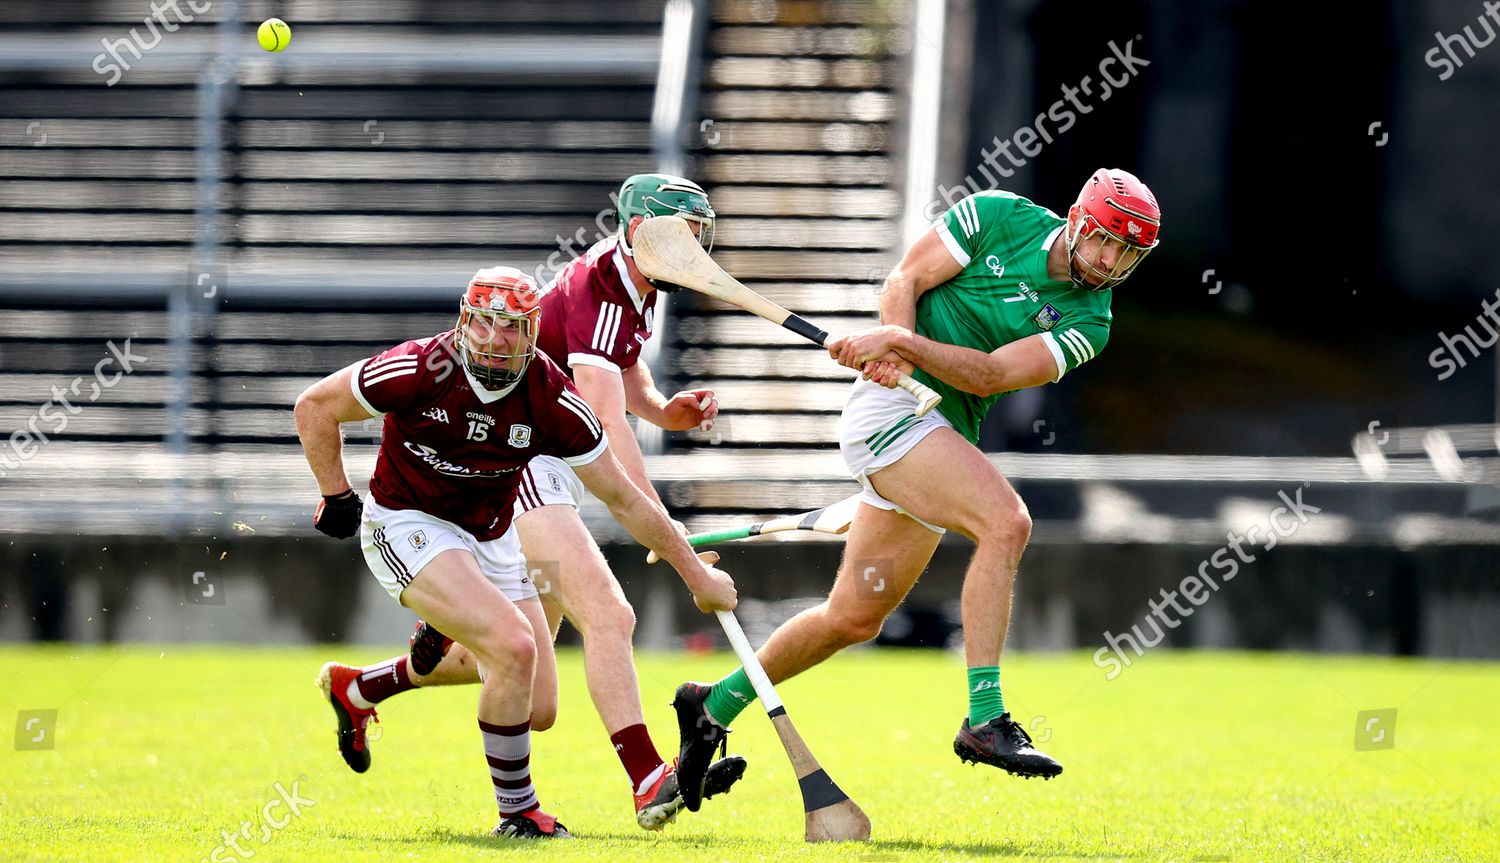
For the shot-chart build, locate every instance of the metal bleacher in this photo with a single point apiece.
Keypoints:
(360, 178)
(354, 183)
(796, 144)
(373, 191)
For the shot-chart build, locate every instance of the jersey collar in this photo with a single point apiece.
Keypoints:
(1052, 237)
(485, 395)
(624, 271)
(1047, 249)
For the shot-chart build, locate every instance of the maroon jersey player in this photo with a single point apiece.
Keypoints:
(464, 413)
(600, 312)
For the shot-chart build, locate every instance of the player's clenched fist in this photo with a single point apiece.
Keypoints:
(714, 589)
(338, 515)
(857, 349)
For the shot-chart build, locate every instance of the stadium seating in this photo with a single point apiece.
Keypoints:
(354, 201)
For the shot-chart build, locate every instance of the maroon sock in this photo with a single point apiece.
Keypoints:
(379, 682)
(637, 753)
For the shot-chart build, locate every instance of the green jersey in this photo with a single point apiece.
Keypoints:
(1003, 294)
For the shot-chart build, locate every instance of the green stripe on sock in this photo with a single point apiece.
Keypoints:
(985, 702)
(729, 697)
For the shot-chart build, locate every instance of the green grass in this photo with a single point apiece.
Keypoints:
(1185, 757)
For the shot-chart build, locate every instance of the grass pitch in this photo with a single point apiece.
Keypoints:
(159, 752)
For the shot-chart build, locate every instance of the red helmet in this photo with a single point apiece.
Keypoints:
(1119, 204)
(499, 317)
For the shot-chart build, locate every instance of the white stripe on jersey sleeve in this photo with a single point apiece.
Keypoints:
(588, 457)
(581, 409)
(598, 326)
(388, 363)
(1075, 337)
(951, 243)
(1057, 355)
(973, 211)
(584, 406)
(614, 329)
(591, 360)
(606, 312)
(1069, 338)
(356, 373)
(962, 218)
(385, 376)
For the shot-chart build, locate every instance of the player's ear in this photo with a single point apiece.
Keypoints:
(635, 222)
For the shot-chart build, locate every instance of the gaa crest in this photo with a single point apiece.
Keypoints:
(1048, 317)
(520, 436)
(418, 540)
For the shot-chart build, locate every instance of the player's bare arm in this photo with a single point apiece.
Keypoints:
(604, 390)
(686, 410)
(712, 589)
(925, 265)
(1023, 363)
(319, 412)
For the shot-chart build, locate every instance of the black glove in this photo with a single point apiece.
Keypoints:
(338, 515)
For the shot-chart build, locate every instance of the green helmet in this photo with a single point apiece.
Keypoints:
(650, 195)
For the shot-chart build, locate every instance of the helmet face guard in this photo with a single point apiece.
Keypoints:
(1118, 208)
(499, 318)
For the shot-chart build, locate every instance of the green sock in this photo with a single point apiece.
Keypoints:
(730, 697)
(985, 702)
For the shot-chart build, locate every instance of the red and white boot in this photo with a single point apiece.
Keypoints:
(334, 680)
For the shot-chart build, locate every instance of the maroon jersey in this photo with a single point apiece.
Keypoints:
(593, 315)
(451, 448)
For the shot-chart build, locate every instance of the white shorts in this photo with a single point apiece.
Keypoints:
(548, 480)
(877, 428)
(398, 542)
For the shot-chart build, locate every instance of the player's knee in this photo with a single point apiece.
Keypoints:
(1010, 525)
(851, 626)
(613, 622)
(516, 649)
(521, 648)
(543, 716)
(621, 620)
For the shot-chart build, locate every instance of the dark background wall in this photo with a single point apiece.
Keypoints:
(1339, 252)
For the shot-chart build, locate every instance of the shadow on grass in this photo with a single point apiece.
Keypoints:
(873, 851)
(891, 849)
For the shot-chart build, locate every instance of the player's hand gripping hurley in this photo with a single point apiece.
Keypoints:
(666, 249)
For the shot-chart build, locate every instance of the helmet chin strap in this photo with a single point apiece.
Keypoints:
(505, 390)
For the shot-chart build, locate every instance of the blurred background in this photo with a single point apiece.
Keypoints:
(226, 225)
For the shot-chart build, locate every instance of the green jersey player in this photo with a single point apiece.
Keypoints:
(999, 295)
